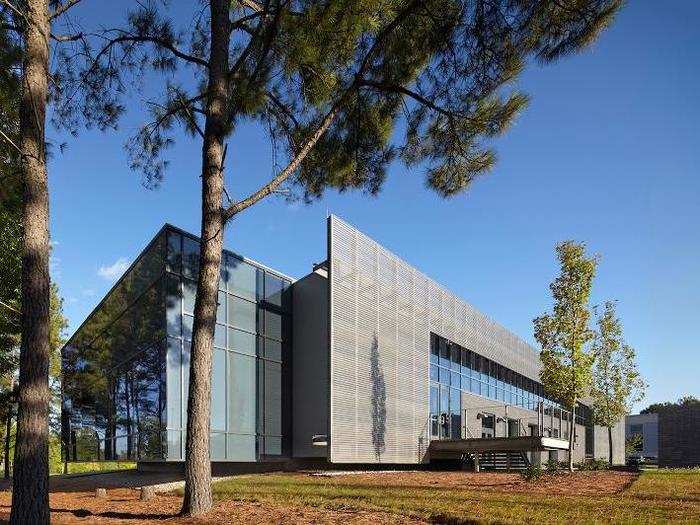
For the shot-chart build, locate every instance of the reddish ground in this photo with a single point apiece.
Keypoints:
(586, 483)
(122, 505)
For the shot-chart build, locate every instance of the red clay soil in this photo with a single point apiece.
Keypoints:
(123, 506)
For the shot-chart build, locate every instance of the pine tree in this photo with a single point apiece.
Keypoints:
(26, 36)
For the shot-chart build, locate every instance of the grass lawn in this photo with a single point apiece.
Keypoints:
(95, 466)
(456, 497)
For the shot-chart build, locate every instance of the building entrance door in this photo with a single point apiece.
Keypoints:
(513, 428)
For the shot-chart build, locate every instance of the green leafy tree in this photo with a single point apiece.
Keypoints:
(633, 444)
(617, 383)
(329, 82)
(657, 408)
(565, 335)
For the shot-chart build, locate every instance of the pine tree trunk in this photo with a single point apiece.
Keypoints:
(8, 430)
(30, 495)
(198, 498)
(572, 433)
(610, 446)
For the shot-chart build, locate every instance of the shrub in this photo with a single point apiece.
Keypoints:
(532, 472)
(552, 465)
(593, 464)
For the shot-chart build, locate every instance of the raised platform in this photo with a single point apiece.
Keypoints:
(452, 448)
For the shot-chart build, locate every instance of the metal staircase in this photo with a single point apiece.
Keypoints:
(503, 461)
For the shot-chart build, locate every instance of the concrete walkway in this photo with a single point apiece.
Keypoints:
(88, 482)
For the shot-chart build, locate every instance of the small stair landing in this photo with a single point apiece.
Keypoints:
(455, 448)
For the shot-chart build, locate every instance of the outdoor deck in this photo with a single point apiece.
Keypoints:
(450, 448)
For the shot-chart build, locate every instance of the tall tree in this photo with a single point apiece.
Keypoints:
(328, 81)
(617, 383)
(27, 25)
(565, 335)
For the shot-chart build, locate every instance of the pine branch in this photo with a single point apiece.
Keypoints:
(251, 4)
(63, 8)
(271, 186)
(66, 38)
(10, 142)
(396, 88)
(14, 9)
(153, 40)
(304, 150)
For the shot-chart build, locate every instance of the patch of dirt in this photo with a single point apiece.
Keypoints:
(123, 506)
(593, 483)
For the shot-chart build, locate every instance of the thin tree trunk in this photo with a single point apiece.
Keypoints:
(610, 446)
(30, 494)
(198, 498)
(8, 430)
(572, 433)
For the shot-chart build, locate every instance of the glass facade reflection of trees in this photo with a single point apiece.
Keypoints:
(113, 370)
(250, 346)
(126, 370)
(454, 369)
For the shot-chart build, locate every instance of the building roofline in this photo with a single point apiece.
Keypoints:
(166, 226)
(444, 288)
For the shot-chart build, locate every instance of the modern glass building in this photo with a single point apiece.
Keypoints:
(126, 368)
(363, 360)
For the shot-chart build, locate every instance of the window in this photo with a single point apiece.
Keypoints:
(190, 258)
(444, 353)
(189, 292)
(220, 336)
(243, 279)
(241, 342)
(274, 289)
(466, 358)
(273, 350)
(273, 324)
(434, 410)
(241, 387)
(434, 350)
(218, 390)
(174, 252)
(488, 425)
(452, 365)
(434, 374)
(241, 313)
(456, 357)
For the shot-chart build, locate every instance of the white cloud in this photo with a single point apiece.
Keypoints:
(115, 270)
(88, 292)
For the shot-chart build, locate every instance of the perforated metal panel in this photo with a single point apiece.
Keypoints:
(382, 311)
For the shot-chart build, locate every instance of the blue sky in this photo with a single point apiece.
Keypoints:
(607, 153)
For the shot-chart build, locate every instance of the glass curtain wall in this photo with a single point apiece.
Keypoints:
(113, 370)
(454, 369)
(250, 348)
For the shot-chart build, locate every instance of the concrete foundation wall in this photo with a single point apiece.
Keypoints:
(601, 443)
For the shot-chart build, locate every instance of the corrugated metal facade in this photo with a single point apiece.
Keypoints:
(382, 313)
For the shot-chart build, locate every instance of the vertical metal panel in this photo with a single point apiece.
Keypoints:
(382, 306)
